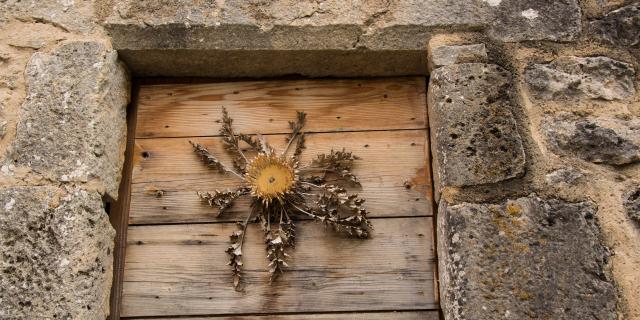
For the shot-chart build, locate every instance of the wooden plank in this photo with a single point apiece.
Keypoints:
(119, 213)
(266, 106)
(403, 315)
(181, 270)
(394, 173)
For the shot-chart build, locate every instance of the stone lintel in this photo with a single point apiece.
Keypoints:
(200, 38)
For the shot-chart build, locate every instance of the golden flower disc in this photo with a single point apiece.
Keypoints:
(270, 176)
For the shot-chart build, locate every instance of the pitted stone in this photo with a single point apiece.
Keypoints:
(453, 54)
(620, 27)
(72, 125)
(575, 77)
(474, 134)
(56, 254)
(598, 140)
(632, 203)
(526, 20)
(528, 258)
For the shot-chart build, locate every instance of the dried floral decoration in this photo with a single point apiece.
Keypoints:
(281, 189)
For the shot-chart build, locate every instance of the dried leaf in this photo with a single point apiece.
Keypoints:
(338, 162)
(208, 158)
(235, 255)
(222, 199)
(296, 128)
(231, 142)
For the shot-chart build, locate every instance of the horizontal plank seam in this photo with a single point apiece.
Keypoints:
(234, 221)
(434, 307)
(284, 133)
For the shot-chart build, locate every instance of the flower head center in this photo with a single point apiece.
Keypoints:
(270, 176)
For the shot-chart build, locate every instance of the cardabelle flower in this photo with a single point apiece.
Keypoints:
(281, 190)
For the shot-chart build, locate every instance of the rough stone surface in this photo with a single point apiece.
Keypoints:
(320, 38)
(73, 121)
(632, 203)
(598, 140)
(528, 258)
(286, 24)
(71, 15)
(576, 77)
(56, 254)
(620, 27)
(564, 175)
(454, 54)
(474, 134)
(523, 20)
(352, 38)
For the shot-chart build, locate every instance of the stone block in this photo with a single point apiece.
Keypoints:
(535, 20)
(620, 27)
(528, 258)
(326, 38)
(474, 135)
(72, 125)
(56, 254)
(575, 77)
(271, 38)
(598, 140)
(453, 54)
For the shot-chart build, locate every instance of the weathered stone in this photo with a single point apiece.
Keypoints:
(446, 55)
(66, 15)
(3, 127)
(304, 37)
(620, 27)
(528, 258)
(285, 24)
(598, 140)
(327, 38)
(474, 134)
(72, 124)
(576, 77)
(522, 20)
(56, 254)
(564, 175)
(632, 203)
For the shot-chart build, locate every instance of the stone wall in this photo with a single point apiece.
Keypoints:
(533, 111)
(63, 99)
(536, 148)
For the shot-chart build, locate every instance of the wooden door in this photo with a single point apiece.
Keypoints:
(175, 263)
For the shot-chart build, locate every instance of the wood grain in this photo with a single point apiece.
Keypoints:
(394, 174)
(406, 315)
(266, 106)
(181, 270)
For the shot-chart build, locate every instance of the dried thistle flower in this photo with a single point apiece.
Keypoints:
(282, 190)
